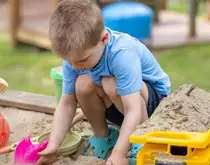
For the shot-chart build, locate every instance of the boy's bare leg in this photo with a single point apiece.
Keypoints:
(93, 102)
(109, 87)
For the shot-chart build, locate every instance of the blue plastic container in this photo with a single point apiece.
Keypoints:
(133, 18)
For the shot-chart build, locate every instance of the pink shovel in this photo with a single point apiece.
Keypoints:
(26, 152)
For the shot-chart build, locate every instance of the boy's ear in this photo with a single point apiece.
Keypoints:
(104, 37)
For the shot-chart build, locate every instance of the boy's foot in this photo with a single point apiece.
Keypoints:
(100, 147)
(3, 85)
(132, 154)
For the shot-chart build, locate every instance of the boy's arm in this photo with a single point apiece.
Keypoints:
(126, 68)
(133, 117)
(66, 108)
(63, 117)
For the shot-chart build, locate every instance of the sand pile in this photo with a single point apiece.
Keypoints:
(187, 109)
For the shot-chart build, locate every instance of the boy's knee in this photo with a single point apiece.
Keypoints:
(84, 86)
(109, 87)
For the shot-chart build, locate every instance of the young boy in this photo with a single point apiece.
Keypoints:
(111, 75)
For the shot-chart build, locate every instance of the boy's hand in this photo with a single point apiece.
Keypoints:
(117, 158)
(48, 156)
(63, 117)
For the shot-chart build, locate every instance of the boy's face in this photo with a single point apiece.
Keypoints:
(90, 57)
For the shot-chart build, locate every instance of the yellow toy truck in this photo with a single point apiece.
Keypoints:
(173, 148)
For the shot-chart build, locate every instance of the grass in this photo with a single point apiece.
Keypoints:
(187, 65)
(182, 6)
(29, 71)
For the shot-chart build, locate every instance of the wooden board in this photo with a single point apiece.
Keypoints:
(33, 37)
(208, 9)
(193, 11)
(14, 20)
(28, 101)
(164, 4)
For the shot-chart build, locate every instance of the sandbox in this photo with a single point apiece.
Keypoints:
(187, 109)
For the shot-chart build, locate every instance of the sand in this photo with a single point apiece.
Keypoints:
(187, 109)
(23, 123)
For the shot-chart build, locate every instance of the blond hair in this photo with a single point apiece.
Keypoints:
(75, 25)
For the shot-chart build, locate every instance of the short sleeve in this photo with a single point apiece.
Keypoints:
(126, 68)
(69, 78)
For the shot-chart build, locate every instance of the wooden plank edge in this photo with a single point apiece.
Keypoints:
(17, 101)
(28, 107)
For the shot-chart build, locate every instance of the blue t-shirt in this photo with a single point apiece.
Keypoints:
(128, 60)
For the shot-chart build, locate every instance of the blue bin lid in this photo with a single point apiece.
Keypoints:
(123, 8)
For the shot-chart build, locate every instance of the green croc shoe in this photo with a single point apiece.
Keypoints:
(99, 147)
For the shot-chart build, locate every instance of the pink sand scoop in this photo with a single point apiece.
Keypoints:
(26, 152)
